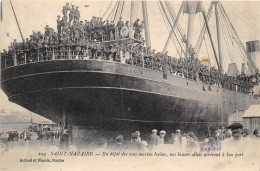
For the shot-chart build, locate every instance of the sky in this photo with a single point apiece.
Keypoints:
(33, 15)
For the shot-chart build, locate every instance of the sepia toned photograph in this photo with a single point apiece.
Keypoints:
(129, 85)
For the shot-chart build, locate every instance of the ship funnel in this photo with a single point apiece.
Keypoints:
(243, 69)
(191, 8)
(232, 69)
(253, 51)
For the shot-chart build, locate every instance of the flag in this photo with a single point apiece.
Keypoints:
(193, 7)
(205, 60)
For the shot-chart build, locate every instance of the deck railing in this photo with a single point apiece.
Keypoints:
(125, 58)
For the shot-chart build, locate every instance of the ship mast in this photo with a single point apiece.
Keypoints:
(133, 17)
(146, 24)
(219, 38)
(190, 31)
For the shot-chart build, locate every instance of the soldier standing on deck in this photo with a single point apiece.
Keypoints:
(93, 22)
(99, 22)
(93, 49)
(64, 24)
(88, 29)
(77, 14)
(107, 31)
(136, 24)
(75, 31)
(111, 36)
(127, 24)
(81, 29)
(59, 23)
(112, 27)
(135, 28)
(65, 9)
(47, 34)
(120, 25)
(72, 14)
(15, 44)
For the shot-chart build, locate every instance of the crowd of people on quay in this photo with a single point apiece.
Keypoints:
(32, 133)
(75, 39)
(233, 136)
(26, 135)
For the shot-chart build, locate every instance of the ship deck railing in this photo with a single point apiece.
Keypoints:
(76, 55)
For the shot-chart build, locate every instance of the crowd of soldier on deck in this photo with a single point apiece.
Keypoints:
(77, 40)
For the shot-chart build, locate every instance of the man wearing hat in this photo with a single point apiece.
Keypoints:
(119, 139)
(236, 129)
(153, 139)
(160, 140)
(120, 25)
(178, 136)
(77, 14)
(139, 138)
(64, 141)
(236, 143)
(65, 9)
(119, 143)
(102, 144)
(134, 144)
(256, 133)
(72, 14)
(245, 133)
(59, 23)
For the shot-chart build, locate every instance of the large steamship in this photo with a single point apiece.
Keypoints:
(111, 95)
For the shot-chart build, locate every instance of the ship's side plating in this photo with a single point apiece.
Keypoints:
(101, 92)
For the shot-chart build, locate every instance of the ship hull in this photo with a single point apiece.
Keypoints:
(110, 95)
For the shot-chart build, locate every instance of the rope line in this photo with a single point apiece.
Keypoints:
(107, 9)
(173, 30)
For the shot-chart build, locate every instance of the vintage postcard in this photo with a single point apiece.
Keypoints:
(129, 85)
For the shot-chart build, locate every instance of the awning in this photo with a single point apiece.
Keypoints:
(253, 111)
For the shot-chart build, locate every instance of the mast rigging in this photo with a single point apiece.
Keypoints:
(203, 31)
(146, 25)
(173, 27)
(248, 59)
(17, 22)
(211, 40)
